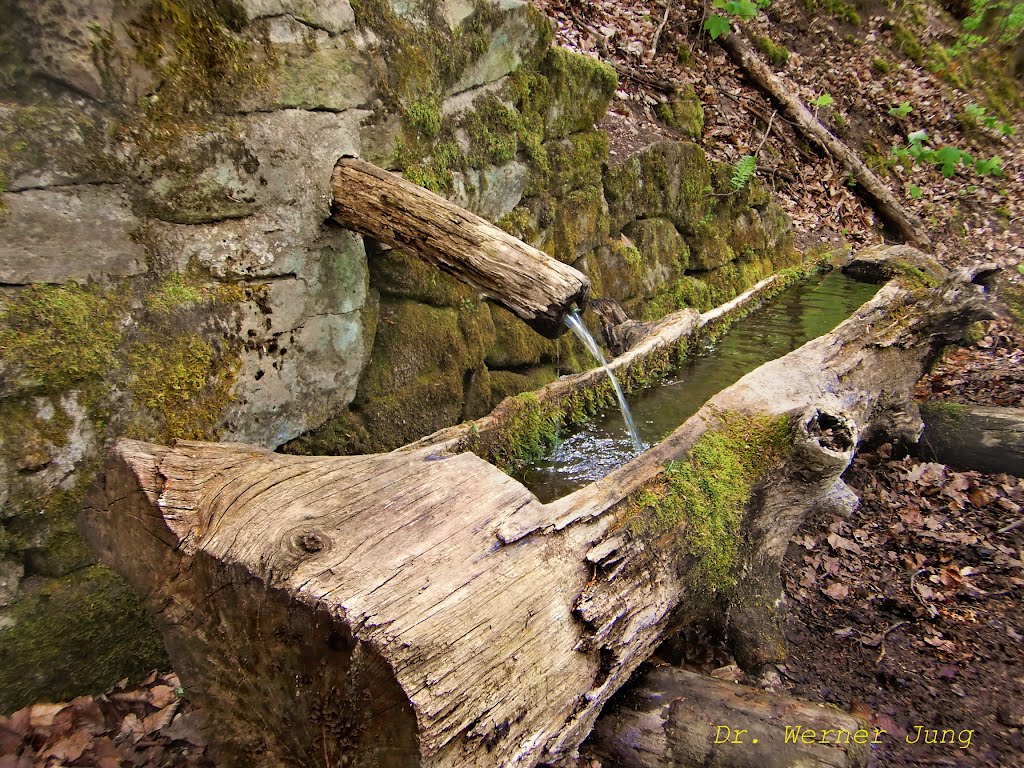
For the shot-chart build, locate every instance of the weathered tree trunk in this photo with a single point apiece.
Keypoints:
(423, 608)
(524, 280)
(984, 438)
(869, 185)
(671, 718)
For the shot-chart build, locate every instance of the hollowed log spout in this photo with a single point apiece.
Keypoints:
(422, 608)
(524, 280)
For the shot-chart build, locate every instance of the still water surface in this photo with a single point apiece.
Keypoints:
(800, 313)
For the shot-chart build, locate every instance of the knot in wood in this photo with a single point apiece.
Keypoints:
(310, 542)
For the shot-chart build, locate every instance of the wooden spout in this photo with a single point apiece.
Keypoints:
(524, 280)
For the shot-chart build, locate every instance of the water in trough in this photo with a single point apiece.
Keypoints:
(800, 313)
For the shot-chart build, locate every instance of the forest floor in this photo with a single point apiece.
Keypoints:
(908, 612)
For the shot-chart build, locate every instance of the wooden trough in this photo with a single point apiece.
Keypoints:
(422, 608)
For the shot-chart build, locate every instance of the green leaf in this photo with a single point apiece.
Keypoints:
(1020, 267)
(744, 9)
(823, 100)
(949, 158)
(974, 110)
(915, 191)
(902, 110)
(991, 167)
(743, 172)
(918, 137)
(717, 26)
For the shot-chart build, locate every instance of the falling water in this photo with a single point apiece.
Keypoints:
(576, 324)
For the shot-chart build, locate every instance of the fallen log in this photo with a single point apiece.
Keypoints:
(868, 185)
(423, 608)
(523, 279)
(671, 718)
(983, 438)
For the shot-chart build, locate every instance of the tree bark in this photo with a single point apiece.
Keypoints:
(423, 608)
(983, 438)
(671, 718)
(524, 280)
(869, 185)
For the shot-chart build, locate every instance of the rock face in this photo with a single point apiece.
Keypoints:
(167, 268)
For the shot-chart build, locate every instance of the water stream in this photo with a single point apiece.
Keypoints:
(797, 315)
(575, 323)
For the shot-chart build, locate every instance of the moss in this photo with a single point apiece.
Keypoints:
(881, 66)
(683, 112)
(516, 345)
(579, 225)
(511, 383)
(945, 409)
(172, 293)
(197, 56)
(75, 635)
(907, 43)
(913, 278)
(776, 53)
(423, 117)
(184, 381)
(975, 333)
(582, 89)
(519, 223)
(529, 429)
(341, 435)
(702, 497)
(682, 293)
(839, 10)
(62, 336)
(575, 162)
(424, 56)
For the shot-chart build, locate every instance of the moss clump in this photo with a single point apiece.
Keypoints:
(703, 496)
(528, 429)
(913, 278)
(683, 112)
(881, 66)
(907, 42)
(184, 381)
(776, 53)
(839, 10)
(61, 336)
(424, 56)
(945, 409)
(423, 117)
(342, 435)
(196, 55)
(519, 223)
(76, 634)
(682, 293)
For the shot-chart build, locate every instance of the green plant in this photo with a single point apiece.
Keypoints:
(744, 171)
(948, 158)
(823, 100)
(718, 25)
(990, 23)
(902, 110)
(979, 115)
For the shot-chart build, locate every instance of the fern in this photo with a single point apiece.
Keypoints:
(743, 172)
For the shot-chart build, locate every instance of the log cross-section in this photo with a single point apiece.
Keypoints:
(422, 608)
(523, 279)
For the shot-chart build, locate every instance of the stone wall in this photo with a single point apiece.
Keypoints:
(167, 269)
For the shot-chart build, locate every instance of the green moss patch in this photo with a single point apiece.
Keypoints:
(61, 336)
(184, 381)
(197, 55)
(683, 112)
(68, 636)
(702, 497)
